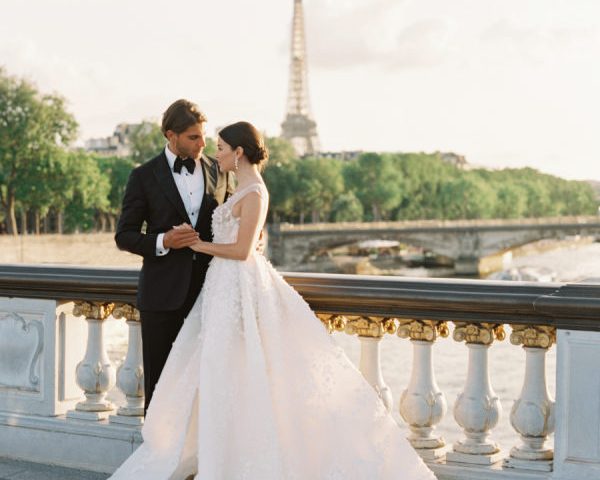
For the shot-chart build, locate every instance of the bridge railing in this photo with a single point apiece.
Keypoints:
(55, 372)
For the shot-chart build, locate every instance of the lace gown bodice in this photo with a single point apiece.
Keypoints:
(224, 225)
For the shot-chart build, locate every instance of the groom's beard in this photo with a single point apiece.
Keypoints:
(184, 152)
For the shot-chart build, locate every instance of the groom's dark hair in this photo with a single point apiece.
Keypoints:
(180, 116)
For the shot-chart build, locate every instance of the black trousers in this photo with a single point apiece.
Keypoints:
(159, 330)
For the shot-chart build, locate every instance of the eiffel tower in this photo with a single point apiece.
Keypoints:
(298, 126)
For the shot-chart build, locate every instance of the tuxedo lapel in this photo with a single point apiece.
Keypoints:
(167, 184)
(211, 176)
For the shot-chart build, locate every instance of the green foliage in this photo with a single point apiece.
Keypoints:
(90, 190)
(377, 183)
(116, 170)
(467, 196)
(410, 186)
(347, 208)
(33, 128)
(211, 147)
(281, 177)
(147, 140)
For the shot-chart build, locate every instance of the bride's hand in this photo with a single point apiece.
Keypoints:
(197, 247)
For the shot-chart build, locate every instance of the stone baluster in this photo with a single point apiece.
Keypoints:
(370, 331)
(130, 374)
(532, 414)
(477, 409)
(95, 374)
(422, 404)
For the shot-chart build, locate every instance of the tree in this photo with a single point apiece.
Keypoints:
(43, 185)
(280, 176)
(467, 197)
(376, 183)
(511, 201)
(319, 183)
(579, 199)
(347, 208)
(147, 140)
(211, 147)
(32, 127)
(89, 197)
(116, 170)
(281, 151)
(423, 177)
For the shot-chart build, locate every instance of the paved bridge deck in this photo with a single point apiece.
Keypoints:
(19, 470)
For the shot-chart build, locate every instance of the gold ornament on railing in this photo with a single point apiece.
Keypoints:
(95, 310)
(364, 326)
(443, 329)
(358, 325)
(389, 325)
(537, 336)
(333, 323)
(126, 311)
(481, 333)
(499, 332)
(424, 330)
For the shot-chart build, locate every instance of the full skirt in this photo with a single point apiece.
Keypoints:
(256, 389)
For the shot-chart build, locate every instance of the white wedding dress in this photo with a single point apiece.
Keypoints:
(256, 389)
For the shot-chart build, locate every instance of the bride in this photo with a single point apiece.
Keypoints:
(254, 387)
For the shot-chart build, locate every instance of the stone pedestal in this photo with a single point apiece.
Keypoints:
(423, 404)
(370, 366)
(477, 408)
(577, 437)
(40, 345)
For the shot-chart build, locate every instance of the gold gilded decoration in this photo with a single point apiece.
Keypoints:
(499, 332)
(126, 311)
(481, 333)
(424, 330)
(537, 336)
(358, 325)
(95, 310)
(443, 329)
(389, 325)
(333, 323)
(365, 326)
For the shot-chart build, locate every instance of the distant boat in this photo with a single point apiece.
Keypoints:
(525, 274)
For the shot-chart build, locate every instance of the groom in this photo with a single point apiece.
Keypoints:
(180, 185)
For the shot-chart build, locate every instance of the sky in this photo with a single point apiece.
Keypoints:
(507, 83)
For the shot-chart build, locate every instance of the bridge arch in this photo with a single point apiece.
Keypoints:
(465, 241)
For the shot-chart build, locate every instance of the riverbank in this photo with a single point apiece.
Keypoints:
(78, 249)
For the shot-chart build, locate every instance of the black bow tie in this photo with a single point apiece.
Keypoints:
(188, 163)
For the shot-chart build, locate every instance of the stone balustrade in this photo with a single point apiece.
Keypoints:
(55, 373)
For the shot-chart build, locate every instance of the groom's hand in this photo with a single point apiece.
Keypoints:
(181, 236)
(261, 244)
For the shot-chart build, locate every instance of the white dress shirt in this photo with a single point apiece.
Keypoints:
(191, 190)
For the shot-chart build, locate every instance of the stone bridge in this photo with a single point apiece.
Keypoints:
(465, 241)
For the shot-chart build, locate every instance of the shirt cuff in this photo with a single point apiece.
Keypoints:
(160, 248)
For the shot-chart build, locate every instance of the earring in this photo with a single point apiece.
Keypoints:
(235, 162)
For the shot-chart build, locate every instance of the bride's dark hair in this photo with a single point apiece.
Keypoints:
(245, 135)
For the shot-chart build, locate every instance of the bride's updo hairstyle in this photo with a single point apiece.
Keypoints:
(245, 135)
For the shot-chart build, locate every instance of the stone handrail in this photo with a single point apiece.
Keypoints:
(561, 305)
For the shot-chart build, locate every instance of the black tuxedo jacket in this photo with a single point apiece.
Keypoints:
(152, 199)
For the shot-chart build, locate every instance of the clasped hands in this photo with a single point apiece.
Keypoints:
(184, 235)
(181, 236)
